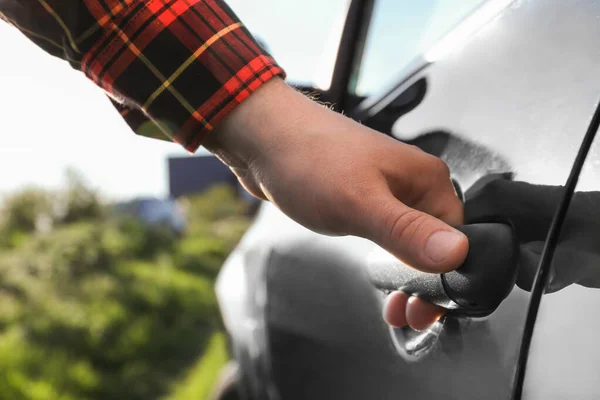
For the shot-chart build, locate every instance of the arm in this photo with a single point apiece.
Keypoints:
(146, 56)
(187, 68)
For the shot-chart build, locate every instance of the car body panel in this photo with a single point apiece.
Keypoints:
(564, 358)
(516, 96)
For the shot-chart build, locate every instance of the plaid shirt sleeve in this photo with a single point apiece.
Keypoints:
(172, 68)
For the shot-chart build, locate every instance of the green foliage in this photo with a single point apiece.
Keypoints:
(130, 237)
(218, 214)
(109, 308)
(22, 211)
(80, 201)
(33, 209)
(201, 254)
(216, 204)
(199, 382)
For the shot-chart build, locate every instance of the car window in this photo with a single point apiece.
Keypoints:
(401, 30)
(302, 35)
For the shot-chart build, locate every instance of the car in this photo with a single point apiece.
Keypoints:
(506, 93)
(152, 211)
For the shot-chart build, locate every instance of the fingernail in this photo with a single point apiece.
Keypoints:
(441, 243)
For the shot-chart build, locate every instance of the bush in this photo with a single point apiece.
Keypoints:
(199, 382)
(79, 202)
(24, 211)
(100, 308)
(129, 237)
(88, 323)
(218, 203)
(201, 255)
(34, 210)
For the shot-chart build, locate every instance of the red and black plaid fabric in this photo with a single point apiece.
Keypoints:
(171, 67)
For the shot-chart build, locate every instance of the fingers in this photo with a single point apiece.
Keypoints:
(441, 199)
(416, 227)
(394, 309)
(418, 239)
(421, 314)
(400, 310)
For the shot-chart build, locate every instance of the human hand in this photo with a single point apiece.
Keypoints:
(530, 209)
(337, 177)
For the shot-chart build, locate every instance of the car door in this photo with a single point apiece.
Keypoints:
(505, 87)
(563, 358)
(493, 97)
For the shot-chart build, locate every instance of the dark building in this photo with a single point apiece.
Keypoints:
(190, 175)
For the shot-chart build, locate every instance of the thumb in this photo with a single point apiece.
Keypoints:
(416, 238)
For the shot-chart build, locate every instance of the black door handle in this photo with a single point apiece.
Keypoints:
(475, 289)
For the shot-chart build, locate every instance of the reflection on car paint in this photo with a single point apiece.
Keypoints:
(456, 38)
(564, 357)
(413, 345)
(515, 99)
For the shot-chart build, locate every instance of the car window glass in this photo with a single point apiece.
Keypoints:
(401, 30)
(302, 35)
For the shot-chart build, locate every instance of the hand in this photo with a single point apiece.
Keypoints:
(337, 177)
(530, 208)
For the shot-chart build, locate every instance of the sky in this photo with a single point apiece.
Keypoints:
(52, 118)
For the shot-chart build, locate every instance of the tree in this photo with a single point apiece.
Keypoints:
(23, 212)
(79, 201)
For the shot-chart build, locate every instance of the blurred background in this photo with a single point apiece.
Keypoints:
(110, 243)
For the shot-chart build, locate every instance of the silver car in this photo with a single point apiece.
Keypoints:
(506, 93)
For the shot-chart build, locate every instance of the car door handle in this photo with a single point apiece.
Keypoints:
(475, 289)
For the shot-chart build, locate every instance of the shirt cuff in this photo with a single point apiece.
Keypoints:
(185, 65)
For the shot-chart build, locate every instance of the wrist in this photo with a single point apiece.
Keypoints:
(243, 135)
(263, 125)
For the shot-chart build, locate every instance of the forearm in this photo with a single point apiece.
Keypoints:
(262, 125)
(271, 126)
(174, 71)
